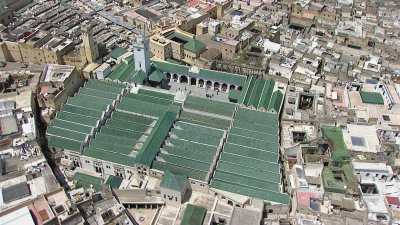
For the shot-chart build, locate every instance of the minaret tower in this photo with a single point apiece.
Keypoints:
(141, 53)
(89, 45)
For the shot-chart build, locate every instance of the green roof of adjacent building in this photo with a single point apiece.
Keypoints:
(371, 98)
(335, 136)
(86, 181)
(194, 46)
(173, 181)
(156, 76)
(331, 184)
(193, 215)
(117, 52)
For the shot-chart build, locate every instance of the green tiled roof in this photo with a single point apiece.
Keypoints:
(184, 162)
(235, 95)
(90, 102)
(108, 86)
(190, 172)
(261, 173)
(117, 52)
(173, 181)
(151, 99)
(84, 180)
(81, 128)
(114, 181)
(156, 76)
(204, 120)
(153, 143)
(138, 77)
(335, 136)
(248, 84)
(276, 102)
(108, 156)
(136, 105)
(193, 215)
(223, 77)
(60, 132)
(81, 111)
(131, 118)
(201, 154)
(194, 46)
(168, 67)
(260, 154)
(246, 181)
(209, 106)
(63, 143)
(124, 72)
(330, 183)
(98, 93)
(249, 162)
(257, 93)
(197, 134)
(157, 94)
(371, 98)
(192, 148)
(265, 98)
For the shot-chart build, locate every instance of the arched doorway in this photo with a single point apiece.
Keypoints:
(208, 84)
(193, 81)
(224, 87)
(183, 79)
(232, 87)
(175, 77)
(168, 77)
(216, 86)
(201, 83)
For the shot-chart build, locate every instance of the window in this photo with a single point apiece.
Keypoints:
(87, 161)
(108, 167)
